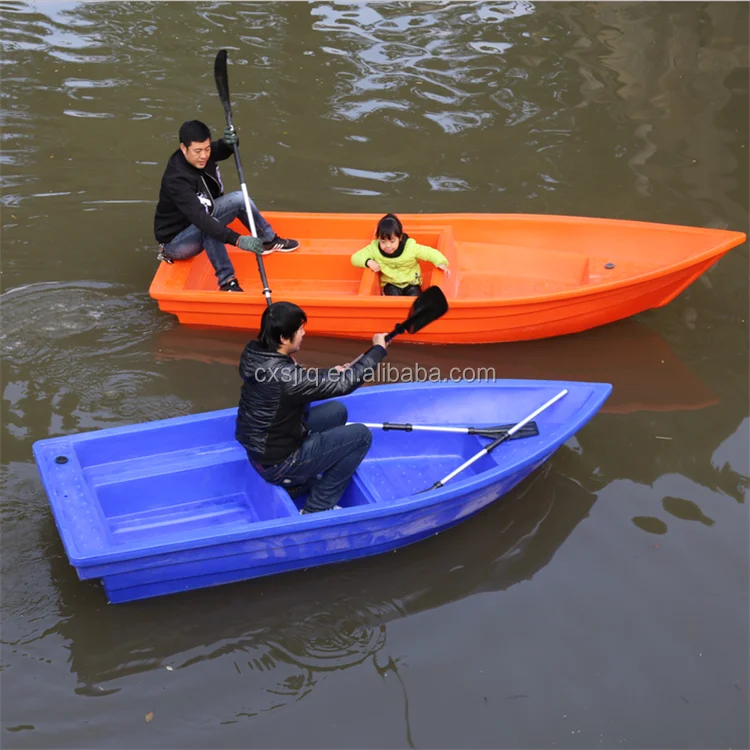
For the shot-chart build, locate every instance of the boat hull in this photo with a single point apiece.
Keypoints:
(513, 278)
(282, 553)
(174, 505)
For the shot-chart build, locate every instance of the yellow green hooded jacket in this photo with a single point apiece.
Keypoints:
(401, 268)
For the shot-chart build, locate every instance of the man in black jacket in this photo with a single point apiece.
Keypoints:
(288, 443)
(192, 212)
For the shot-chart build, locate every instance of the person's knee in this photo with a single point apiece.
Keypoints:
(339, 412)
(362, 434)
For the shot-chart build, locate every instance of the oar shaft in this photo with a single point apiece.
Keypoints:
(253, 230)
(246, 196)
(387, 426)
(397, 330)
(474, 458)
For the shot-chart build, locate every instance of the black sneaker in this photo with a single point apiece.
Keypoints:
(280, 244)
(231, 286)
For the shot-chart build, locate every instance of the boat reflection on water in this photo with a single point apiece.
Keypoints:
(645, 373)
(283, 632)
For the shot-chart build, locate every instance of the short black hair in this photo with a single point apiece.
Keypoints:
(280, 319)
(389, 226)
(194, 131)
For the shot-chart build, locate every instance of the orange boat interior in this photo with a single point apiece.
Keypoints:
(488, 259)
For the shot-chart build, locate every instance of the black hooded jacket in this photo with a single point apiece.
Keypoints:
(276, 393)
(187, 196)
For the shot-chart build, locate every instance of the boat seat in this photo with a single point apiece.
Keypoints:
(179, 490)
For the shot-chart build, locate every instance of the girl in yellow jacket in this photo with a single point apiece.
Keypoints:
(395, 256)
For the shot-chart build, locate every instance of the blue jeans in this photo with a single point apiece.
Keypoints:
(191, 241)
(332, 447)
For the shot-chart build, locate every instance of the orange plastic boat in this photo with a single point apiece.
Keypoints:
(513, 277)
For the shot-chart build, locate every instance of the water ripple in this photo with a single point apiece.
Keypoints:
(444, 63)
(324, 642)
(71, 360)
(286, 667)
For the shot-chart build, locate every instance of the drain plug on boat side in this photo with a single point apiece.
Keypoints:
(61, 460)
(609, 265)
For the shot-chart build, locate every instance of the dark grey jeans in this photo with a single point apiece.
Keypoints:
(332, 448)
(191, 241)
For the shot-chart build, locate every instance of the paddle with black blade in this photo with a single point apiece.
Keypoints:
(491, 447)
(222, 86)
(428, 307)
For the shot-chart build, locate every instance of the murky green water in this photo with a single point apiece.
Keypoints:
(602, 604)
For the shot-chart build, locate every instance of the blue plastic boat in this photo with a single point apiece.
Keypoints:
(173, 505)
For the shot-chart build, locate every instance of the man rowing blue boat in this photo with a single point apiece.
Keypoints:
(288, 443)
(193, 212)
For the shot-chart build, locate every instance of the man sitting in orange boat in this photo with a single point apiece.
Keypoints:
(288, 443)
(395, 255)
(192, 212)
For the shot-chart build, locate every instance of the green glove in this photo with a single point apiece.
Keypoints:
(250, 243)
(230, 136)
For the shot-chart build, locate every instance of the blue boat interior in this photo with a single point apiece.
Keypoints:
(165, 481)
(192, 486)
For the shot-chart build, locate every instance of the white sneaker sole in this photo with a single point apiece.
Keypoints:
(281, 250)
(335, 507)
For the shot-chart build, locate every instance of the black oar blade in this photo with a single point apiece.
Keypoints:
(222, 79)
(530, 429)
(428, 307)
